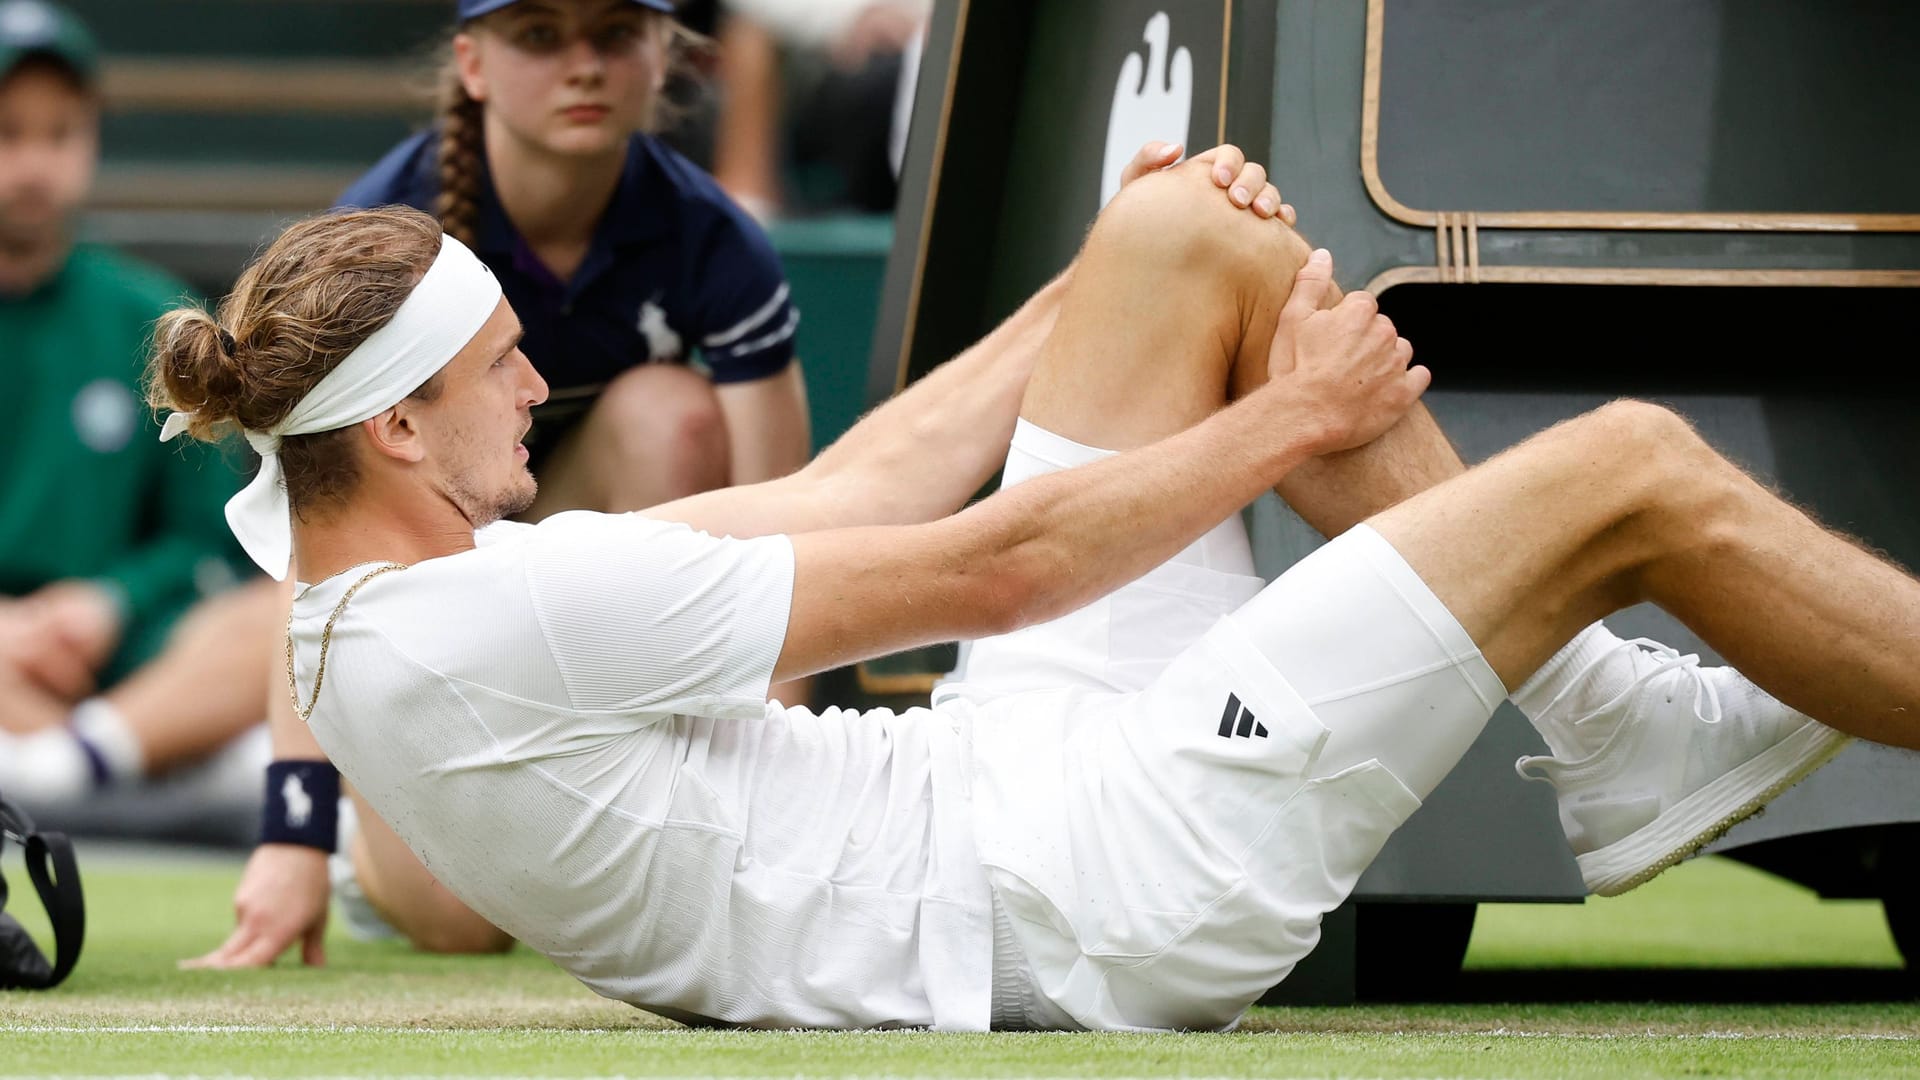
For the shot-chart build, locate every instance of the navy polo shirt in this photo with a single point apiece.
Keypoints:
(675, 271)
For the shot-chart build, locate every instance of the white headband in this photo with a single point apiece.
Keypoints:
(453, 300)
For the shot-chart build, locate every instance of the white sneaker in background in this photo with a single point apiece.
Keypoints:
(357, 913)
(1666, 766)
(43, 768)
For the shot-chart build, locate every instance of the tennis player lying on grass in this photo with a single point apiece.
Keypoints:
(1154, 777)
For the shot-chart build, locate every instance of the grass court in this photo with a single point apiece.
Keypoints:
(1712, 970)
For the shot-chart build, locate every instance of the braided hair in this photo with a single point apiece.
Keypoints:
(462, 150)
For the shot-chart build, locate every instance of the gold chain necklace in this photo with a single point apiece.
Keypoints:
(326, 639)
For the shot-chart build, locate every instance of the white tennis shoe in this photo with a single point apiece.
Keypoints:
(1664, 767)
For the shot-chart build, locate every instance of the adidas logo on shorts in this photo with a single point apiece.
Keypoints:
(1238, 721)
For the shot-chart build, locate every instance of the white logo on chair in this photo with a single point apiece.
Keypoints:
(299, 803)
(1153, 102)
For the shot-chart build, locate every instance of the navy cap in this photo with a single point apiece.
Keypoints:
(34, 28)
(473, 9)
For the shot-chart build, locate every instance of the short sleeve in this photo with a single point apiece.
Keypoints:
(643, 615)
(748, 319)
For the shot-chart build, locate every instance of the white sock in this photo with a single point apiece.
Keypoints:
(46, 766)
(100, 728)
(1559, 675)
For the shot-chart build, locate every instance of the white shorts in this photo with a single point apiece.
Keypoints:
(1165, 824)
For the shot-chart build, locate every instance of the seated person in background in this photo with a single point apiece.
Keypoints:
(124, 651)
(628, 263)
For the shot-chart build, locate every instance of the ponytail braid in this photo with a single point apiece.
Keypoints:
(461, 150)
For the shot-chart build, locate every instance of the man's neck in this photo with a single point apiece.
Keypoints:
(552, 200)
(378, 531)
(27, 265)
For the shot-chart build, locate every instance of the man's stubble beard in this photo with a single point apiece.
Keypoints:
(521, 499)
(483, 511)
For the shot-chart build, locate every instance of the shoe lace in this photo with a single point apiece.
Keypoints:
(1706, 700)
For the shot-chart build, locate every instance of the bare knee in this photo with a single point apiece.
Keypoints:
(1179, 218)
(662, 427)
(1681, 483)
(1643, 432)
(660, 407)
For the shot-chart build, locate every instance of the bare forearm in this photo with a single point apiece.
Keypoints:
(1058, 541)
(1037, 550)
(912, 460)
(922, 454)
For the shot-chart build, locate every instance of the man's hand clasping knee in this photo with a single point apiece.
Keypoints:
(1348, 363)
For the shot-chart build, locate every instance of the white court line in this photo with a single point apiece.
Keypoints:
(692, 1077)
(696, 1076)
(282, 1029)
(362, 1029)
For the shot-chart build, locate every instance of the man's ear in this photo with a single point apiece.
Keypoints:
(394, 434)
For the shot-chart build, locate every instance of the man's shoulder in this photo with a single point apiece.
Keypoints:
(592, 526)
(459, 615)
(623, 560)
(500, 532)
(504, 551)
(404, 176)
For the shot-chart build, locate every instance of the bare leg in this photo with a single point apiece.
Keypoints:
(1118, 372)
(412, 900)
(1117, 381)
(747, 137)
(656, 434)
(1628, 504)
(1170, 284)
(206, 686)
(1338, 491)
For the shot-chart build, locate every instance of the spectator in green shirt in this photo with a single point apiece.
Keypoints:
(124, 647)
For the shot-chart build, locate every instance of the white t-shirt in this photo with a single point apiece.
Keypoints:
(568, 725)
